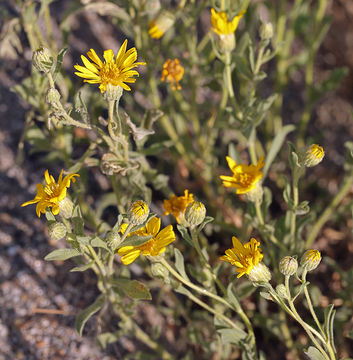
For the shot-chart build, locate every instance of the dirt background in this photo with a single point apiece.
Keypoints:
(30, 286)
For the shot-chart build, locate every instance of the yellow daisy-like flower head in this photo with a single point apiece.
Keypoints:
(173, 72)
(245, 177)
(177, 205)
(138, 212)
(52, 194)
(116, 72)
(153, 247)
(245, 257)
(220, 24)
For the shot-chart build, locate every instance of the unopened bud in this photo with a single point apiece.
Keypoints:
(138, 212)
(42, 59)
(66, 207)
(160, 271)
(260, 273)
(310, 260)
(313, 155)
(266, 31)
(53, 96)
(57, 230)
(113, 93)
(113, 240)
(195, 213)
(288, 266)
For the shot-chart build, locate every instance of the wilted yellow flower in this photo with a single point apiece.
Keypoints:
(160, 24)
(115, 72)
(245, 177)
(172, 72)
(245, 257)
(313, 155)
(176, 205)
(52, 194)
(221, 25)
(153, 247)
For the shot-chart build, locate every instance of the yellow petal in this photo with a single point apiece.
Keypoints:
(108, 56)
(94, 57)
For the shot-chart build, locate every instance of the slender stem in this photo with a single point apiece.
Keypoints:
(145, 338)
(326, 215)
(228, 71)
(313, 314)
(196, 242)
(111, 122)
(193, 286)
(293, 214)
(311, 308)
(212, 311)
(303, 323)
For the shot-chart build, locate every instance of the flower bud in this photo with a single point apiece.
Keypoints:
(42, 59)
(266, 31)
(281, 291)
(113, 240)
(53, 96)
(57, 230)
(113, 92)
(138, 212)
(313, 155)
(195, 213)
(288, 266)
(260, 273)
(160, 271)
(66, 207)
(256, 194)
(310, 260)
(163, 22)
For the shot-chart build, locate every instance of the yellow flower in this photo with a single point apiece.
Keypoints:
(245, 177)
(313, 155)
(154, 31)
(244, 257)
(172, 72)
(116, 72)
(177, 205)
(153, 247)
(52, 194)
(221, 25)
(160, 24)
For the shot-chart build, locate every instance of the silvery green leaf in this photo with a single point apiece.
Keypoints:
(84, 315)
(62, 254)
(314, 354)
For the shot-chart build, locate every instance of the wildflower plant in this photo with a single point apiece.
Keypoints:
(149, 143)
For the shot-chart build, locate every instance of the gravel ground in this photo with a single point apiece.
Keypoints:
(39, 300)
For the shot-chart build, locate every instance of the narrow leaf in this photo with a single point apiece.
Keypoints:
(179, 263)
(133, 288)
(84, 315)
(83, 267)
(59, 61)
(62, 254)
(135, 240)
(276, 146)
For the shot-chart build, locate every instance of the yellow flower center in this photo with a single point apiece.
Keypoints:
(110, 74)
